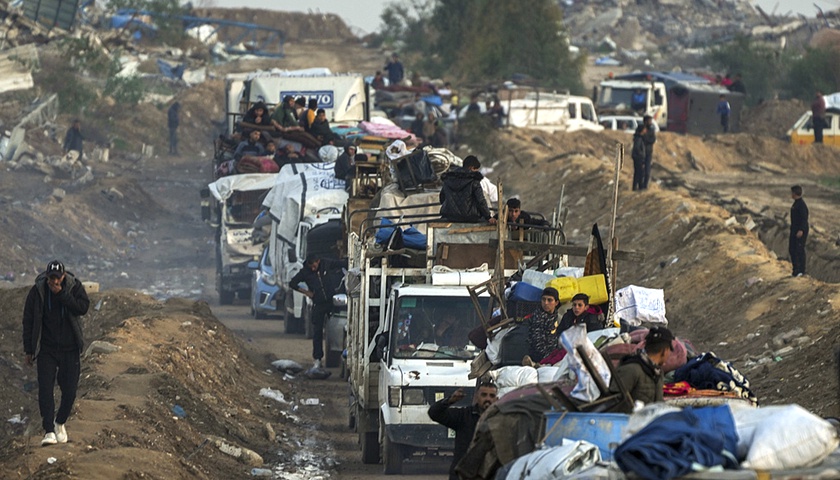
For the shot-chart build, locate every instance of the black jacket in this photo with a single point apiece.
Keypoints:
(316, 281)
(74, 140)
(461, 419)
(799, 217)
(461, 198)
(649, 137)
(172, 115)
(592, 321)
(74, 301)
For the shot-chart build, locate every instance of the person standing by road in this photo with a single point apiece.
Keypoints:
(74, 140)
(313, 274)
(395, 70)
(462, 419)
(52, 337)
(642, 153)
(723, 109)
(173, 119)
(798, 231)
(818, 116)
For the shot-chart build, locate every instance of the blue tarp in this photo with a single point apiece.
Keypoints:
(679, 443)
(170, 71)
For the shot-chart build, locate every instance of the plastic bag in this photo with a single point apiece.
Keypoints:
(586, 389)
(636, 305)
(514, 376)
(783, 437)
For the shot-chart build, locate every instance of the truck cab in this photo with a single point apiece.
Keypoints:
(634, 97)
(426, 358)
(802, 132)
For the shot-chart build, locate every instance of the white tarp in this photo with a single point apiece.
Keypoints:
(301, 190)
(636, 305)
(224, 187)
(832, 101)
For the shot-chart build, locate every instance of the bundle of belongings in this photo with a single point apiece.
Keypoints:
(657, 442)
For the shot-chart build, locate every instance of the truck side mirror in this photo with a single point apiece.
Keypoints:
(378, 352)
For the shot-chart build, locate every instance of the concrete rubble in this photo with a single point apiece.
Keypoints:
(657, 30)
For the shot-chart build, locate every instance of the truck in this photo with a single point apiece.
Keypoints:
(230, 205)
(636, 97)
(678, 102)
(546, 111)
(304, 203)
(409, 313)
(345, 97)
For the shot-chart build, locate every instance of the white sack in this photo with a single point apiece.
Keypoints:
(637, 305)
(556, 462)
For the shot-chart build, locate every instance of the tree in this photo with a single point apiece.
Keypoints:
(817, 69)
(759, 66)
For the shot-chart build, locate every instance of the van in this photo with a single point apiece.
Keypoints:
(802, 132)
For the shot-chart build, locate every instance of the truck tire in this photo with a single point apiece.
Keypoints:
(392, 457)
(292, 323)
(226, 297)
(370, 447)
(333, 358)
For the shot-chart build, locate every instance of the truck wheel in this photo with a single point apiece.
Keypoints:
(392, 457)
(370, 447)
(226, 297)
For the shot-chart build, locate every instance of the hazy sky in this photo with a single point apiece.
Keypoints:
(364, 14)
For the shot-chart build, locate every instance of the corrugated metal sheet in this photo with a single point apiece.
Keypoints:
(52, 13)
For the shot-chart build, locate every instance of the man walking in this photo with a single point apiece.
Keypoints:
(313, 274)
(798, 231)
(818, 116)
(52, 336)
(173, 122)
(462, 419)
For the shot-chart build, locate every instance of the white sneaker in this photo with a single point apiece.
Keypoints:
(60, 433)
(317, 364)
(49, 439)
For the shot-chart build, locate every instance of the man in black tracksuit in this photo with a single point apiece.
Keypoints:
(313, 274)
(798, 231)
(462, 419)
(52, 335)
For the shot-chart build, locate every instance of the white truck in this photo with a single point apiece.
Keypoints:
(345, 97)
(546, 111)
(303, 198)
(636, 97)
(407, 344)
(230, 205)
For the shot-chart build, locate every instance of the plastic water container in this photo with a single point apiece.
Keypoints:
(524, 292)
(537, 279)
(593, 285)
(603, 429)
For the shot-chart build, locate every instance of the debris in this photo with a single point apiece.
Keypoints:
(16, 420)
(179, 411)
(261, 472)
(310, 401)
(100, 346)
(317, 374)
(242, 454)
(273, 394)
(287, 366)
(51, 460)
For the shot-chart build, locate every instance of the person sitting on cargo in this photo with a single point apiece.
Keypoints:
(307, 117)
(641, 373)
(321, 130)
(313, 275)
(543, 334)
(517, 219)
(582, 313)
(256, 118)
(252, 146)
(461, 198)
(378, 81)
(463, 420)
(286, 124)
(345, 166)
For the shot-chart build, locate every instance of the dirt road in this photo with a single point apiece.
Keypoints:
(328, 432)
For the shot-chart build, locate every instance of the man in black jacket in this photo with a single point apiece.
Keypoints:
(74, 140)
(52, 335)
(461, 198)
(642, 153)
(462, 419)
(798, 231)
(313, 274)
(173, 120)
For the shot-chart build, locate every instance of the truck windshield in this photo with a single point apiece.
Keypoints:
(614, 97)
(434, 327)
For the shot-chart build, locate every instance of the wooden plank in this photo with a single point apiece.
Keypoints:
(572, 250)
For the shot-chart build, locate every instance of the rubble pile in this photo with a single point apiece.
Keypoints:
(663, 30)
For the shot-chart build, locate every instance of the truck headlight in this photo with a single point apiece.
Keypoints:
(413, 396)
(398, 396)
